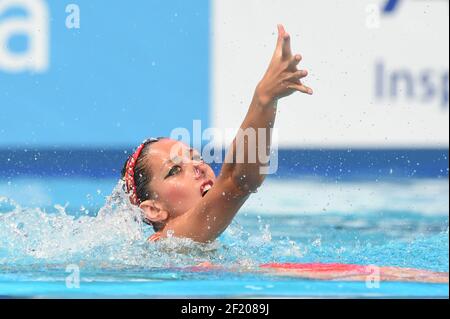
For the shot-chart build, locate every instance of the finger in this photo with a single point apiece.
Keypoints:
(301, 88)
(295, 61)
(286, 45)
(296, 76)
(281, 33)
(281, 30)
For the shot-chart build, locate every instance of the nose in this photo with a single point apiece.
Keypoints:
(199, 170)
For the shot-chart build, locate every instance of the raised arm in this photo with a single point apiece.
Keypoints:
(281, 79)
(241, 174)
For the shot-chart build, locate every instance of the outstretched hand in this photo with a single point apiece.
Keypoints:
(282, 78)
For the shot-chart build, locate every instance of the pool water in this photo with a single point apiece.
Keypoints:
(56, 231)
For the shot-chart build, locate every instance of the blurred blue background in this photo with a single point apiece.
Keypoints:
(133, 70)
(130, 71)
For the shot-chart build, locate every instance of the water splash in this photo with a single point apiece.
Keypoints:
(115, 239)
(30, 235)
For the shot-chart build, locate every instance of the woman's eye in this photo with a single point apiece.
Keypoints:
(174, 170)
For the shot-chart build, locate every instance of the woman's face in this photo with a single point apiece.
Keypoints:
(178, 174)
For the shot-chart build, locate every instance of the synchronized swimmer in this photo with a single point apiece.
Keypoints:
(182, 196)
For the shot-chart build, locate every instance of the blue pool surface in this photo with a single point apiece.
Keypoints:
(48, 227)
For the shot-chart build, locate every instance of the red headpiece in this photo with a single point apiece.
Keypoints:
(129, 171)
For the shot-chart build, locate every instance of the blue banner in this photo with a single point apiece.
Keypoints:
(101, 73)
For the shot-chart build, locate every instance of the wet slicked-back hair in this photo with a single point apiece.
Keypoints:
(142, 177)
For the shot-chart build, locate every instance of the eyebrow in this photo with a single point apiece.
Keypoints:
(167, 161)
